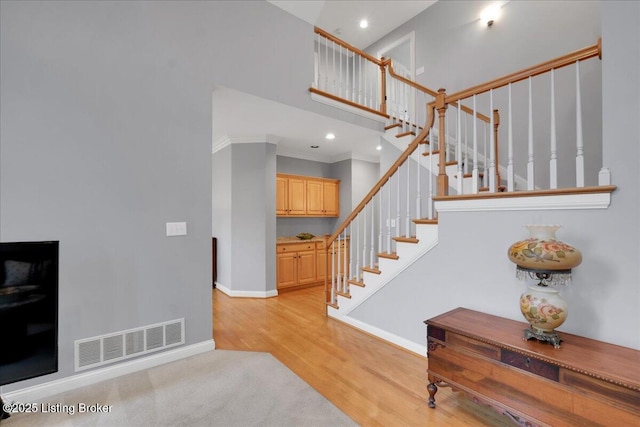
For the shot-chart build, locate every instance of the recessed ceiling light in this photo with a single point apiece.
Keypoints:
(315, 146)
(364, 23)
(330, 136)
(379, 147)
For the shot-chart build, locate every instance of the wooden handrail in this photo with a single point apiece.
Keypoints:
(403, 157)
(389, 62)
(562, 61)
(346, 101)
(347, 45)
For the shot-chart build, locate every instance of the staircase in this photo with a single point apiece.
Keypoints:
(451, 152)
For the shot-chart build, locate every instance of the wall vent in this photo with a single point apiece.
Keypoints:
(101, 350)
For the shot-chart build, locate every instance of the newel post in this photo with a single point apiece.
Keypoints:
(496, 124)
(443, 180)
(383, 84)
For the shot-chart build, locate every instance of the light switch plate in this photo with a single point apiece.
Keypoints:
(176, 228)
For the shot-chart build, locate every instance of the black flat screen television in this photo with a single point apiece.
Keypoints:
(28, 310)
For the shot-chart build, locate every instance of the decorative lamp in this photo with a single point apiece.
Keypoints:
(544, 258)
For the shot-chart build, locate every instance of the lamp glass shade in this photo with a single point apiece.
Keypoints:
(542, 252)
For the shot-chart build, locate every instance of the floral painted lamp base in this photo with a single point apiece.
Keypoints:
(545, 310)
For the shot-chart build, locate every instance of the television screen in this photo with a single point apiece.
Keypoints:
(28, 310)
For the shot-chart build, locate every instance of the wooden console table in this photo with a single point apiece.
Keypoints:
(584, 382)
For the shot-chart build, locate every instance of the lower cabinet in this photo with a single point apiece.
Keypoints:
(303, 264)
(296, 264)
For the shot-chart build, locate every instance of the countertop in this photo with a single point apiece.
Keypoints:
(293, 239)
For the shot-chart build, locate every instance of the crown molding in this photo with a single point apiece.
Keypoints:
(227, 140)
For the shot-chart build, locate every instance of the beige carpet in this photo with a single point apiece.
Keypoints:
(218, 388)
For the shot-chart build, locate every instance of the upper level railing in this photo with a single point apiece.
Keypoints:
(457, 151)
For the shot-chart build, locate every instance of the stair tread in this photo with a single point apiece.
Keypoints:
(387, 255)
(425, 221)
(395, 125)
(344, 294)
(333, 304)
(433, 152)
(470, 175)
(400, 135)
(356, 282)
(371, 270)
(406, 239)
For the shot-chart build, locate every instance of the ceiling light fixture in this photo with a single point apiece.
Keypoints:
(364, 23)
(490, 14)
(379, 147)
(315, 146)
(330, 136)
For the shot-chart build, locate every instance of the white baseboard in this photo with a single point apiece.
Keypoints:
(247, 294)
(41, 391)
(382, 334)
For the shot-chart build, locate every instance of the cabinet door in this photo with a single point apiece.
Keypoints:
(331, 198)
(315, 205)
(297, 196)
(321, 263)
(306, 267)
(286, 269)
(282, 202)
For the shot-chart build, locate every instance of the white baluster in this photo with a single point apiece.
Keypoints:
(465, 163)
(372, 249)
(351, 242)
(510, 172)
(430, 199)
(333, 273)
(345, 272)
(380, 229)
(485, 182)
(388, 185)
(474, 172)
(553, 163)
(336, 264)
(579, 137)
(353, 79)
(364, 234)
(530, 165)
(492, 148)
(418, 182)
(444, 145)
(460, 173)
(398, 228)
(341, 85)
(326, 65)
(360, 81)
(407, 223)
(357, 249)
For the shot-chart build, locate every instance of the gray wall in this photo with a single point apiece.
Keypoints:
(469, 266)
(105, 136)
(450, 36)
(222, 212)
(253, 217)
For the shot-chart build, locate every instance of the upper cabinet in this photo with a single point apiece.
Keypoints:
(307, 196)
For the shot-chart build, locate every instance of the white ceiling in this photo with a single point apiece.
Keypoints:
(239, 116)
(330, 15)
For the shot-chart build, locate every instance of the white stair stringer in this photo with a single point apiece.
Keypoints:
(408, 253)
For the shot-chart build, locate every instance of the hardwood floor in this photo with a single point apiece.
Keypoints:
(372, 381)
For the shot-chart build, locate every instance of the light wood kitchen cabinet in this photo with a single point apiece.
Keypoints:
(307, 196)
(323, 197)
(291, 196)
(296, 264)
